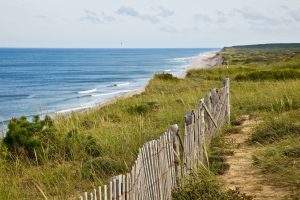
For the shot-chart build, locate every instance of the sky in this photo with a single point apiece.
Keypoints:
(147, 23)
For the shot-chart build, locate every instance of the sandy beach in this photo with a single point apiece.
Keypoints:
(204, 61)
(207, 60)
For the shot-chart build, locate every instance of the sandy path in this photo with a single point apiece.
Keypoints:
(242, 174)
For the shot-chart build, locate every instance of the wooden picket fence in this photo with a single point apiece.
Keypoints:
(161, 163)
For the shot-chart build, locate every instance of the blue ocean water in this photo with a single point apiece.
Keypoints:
(39, 81)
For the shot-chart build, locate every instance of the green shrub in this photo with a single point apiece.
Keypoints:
(166, 77)
(24, 137)
(269, 75)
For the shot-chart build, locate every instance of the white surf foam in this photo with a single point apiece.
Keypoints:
(182, 59)
(111, 93)
(123, 84)
(87, 91)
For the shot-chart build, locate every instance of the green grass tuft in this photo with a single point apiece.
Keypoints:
(274, 130)
(269, 75)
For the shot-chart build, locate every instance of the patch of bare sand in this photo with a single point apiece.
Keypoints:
(242, 174)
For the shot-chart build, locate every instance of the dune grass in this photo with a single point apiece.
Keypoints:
(279, 159)
(65, 167)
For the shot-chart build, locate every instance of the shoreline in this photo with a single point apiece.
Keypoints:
(209, 59)
(206, 60)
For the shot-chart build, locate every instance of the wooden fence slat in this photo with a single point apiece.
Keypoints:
(105, 192)
(92, 196)
(227, 88)
(95, 194)
(100, 193)
(86, 196)
(123, 187)
(111, 190)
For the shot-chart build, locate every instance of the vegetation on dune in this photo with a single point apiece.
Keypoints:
(26, 138)
(219, 148)
(87, 148)
(276, 129)
(203, 185)
(77, 152)
(166, 77)
(279, 158)
(269, 75)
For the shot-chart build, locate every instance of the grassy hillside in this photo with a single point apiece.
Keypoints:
(83, 150)
(265, 84)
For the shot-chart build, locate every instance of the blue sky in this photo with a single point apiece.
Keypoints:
(147, 23)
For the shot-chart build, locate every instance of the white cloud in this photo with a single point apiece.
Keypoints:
(129, 11)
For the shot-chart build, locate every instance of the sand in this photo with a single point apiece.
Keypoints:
(204, 61)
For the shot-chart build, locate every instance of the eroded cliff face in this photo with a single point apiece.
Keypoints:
(217, 60)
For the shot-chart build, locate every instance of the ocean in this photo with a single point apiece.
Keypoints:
(46, 81)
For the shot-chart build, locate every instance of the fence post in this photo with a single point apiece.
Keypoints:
(227, 88)
(202, 130)
(188, 141)
(175, 135)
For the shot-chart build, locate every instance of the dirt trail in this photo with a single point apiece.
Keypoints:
(242, 174)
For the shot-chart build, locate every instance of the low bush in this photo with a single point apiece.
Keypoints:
(24, 138)
(166, 77)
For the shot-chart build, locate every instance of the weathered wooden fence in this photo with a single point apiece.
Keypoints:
(161, 163)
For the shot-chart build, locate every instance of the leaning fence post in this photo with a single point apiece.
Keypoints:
(175, 135)
(227, 88)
